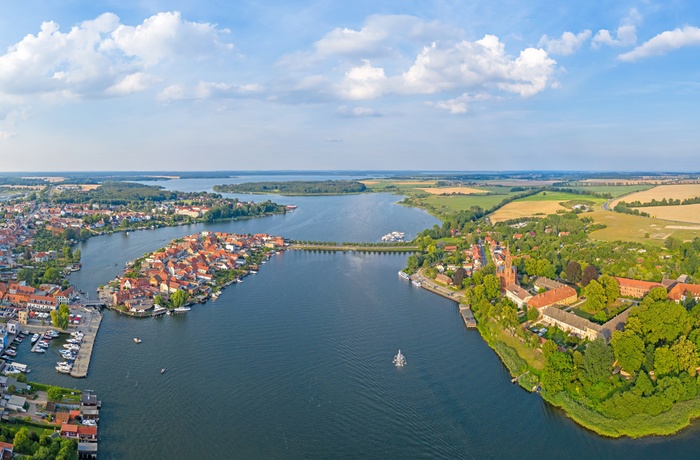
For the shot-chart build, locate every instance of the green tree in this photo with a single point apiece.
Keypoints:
(54, 393)
(687, 355)
(509, 318)
(611, 287)
(22, 444)
(51, 276)
(532, 314)
(665, 361)
(595, 296)
(597, 360)
(660, 321)
(492, 285)
(628, 348)
(179, 298)
(158, 300)
(60, 317)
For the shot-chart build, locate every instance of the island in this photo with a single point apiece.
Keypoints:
(189, 270)
(325, 187)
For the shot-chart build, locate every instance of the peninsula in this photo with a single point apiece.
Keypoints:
(325, 187)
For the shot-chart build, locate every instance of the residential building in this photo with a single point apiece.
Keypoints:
(568, 322)
(683, 291)
(518, 295)
(563, 295)
(635, 288)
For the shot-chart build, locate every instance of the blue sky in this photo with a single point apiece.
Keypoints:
(480, 85)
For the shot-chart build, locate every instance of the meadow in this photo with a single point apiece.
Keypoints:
(677, 192)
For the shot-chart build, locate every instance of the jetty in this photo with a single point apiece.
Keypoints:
(82, 362)
(467, 316)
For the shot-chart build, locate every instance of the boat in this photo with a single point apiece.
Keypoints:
(399, 360)
(215, 295)
(39, 350)
(137, 340)
(404, 275)
(11, 352)
(416, 283)
(64, 369)
(20, 367)
(393, 237)
(162, 371)
(254, 272)
(182, 309)
(35, 337)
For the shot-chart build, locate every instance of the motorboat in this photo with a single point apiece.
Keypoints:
(404, 275)
(39, 350)
(182, 309)
(137, 340)
(35, 337)
(64, 369)
(162, 371)
(416, 283)
(399, 360)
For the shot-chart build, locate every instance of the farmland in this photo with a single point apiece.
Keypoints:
(626, 227)
(683, 213)
(453, 190)
(541, 204)
(614, 190)
(677, 192)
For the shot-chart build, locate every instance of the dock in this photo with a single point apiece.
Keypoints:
(467, 316)
(82, 362)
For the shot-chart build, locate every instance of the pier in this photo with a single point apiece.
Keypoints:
(82, 362)
(432, 286)
(467, 316)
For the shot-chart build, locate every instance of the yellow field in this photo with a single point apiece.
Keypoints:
(622, 181)
(677, 192)
(685, 213)
(518, 209)
(451, 190)
(627, 227)
(88, 187)
(399, 182)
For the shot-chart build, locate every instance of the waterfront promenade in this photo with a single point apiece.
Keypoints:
(432, 286)
(82, 362)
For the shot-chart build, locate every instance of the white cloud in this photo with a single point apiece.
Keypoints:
(626, 34)
(478, 64)
(133, 83)
(101, 56)
(208, 90)
(567, 44)
(364, 82)
(356, 112)
(166, 35)
(6, 135)
(663, 43)
(460, 105)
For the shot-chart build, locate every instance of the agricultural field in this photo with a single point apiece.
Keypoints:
(627, 227)
(683, 213)
(454, 190)
(453, 203)
(677, 192)
(614, 190)
(540, 205)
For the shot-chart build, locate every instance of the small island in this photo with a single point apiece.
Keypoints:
(189, 270)
(326, 187)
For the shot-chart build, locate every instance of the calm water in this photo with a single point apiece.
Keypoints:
(296, 361)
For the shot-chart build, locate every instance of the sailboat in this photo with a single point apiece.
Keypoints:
(399, 360)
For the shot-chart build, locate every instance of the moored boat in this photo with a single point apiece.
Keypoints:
(182, 309)
(404, 275)
(35, 337)
(416, 283)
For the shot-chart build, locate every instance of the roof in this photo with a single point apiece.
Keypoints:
(570, 319)
(87, 430)
(547, 283)
(68, 428)
(682, 289)
(552, 296)
(62, 417)
(519, 292)
(637, 283)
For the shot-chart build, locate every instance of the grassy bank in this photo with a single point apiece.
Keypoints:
(519, 358)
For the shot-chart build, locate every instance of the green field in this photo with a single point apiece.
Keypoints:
(614, 190)
(454, 203)
(627, 227)
(561, 196)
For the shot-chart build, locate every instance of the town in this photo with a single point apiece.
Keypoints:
(190, 270)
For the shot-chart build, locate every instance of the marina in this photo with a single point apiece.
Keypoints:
(82, 361)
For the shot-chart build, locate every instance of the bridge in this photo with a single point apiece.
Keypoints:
(351, 247)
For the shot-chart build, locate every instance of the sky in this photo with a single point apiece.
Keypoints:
(362, 85)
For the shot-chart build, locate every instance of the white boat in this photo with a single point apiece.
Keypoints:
(137, 340)
(399, 360)
(35, 337)
(63, 363)
(43, 344)
(393, 237)
(182, 309)
(20, 367)
(64, 369)
(254, 272)
(416, 283)
(38, 350)
(404, 275)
